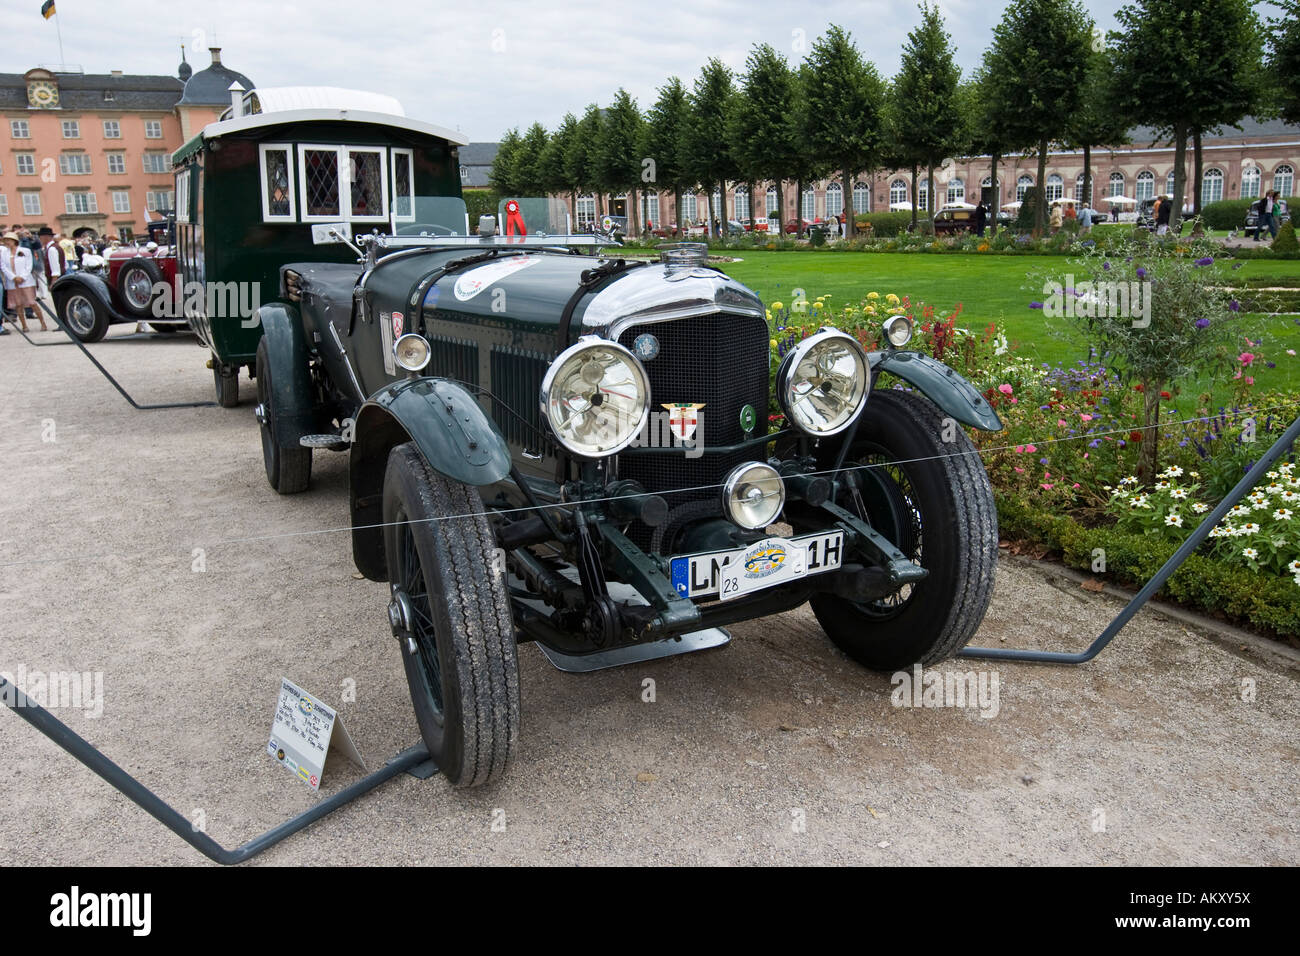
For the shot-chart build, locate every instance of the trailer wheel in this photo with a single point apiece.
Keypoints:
(288, 468)
(451, 615)
(225, 379)
(933, 500)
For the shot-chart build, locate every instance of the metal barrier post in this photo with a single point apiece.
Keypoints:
(173, 819)
(103, 371)
(1175, 561)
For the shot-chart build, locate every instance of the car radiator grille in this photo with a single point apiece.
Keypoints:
(718, 361)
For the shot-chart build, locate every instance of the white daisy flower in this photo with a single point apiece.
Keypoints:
(1289, 496)
(1239, 510)
(1283, 514)
(1274, 488)
(1250, 553)
(1200, 509)
(1286, 469)
(1173, 520)
(1225, 531)
(1178, 493)
(1161, 485)
(1271, 474)
(1294, 566)
(1139, 502)
(1248, 528)
(1173, 471)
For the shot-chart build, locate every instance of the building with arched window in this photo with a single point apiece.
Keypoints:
(1211, 185)
(1146, 185)
(1055, 187)
(1284, 178)
(1022, 186)
(1250, 180)
(861, 198)
(956, 190)
(742, 202)
(898, 192)
(834, 199)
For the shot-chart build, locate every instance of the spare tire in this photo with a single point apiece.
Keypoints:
(135, 286)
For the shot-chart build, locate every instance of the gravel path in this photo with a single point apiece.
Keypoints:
(774, 749)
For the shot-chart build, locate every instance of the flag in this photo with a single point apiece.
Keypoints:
(47, 9)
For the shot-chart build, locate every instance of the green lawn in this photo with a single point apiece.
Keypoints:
(991, 288)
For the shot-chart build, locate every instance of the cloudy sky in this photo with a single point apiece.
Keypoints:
(479, 67)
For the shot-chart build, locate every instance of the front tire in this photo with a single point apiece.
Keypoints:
(933, 500)
(83, 315)
(456, 635)
(288, 468)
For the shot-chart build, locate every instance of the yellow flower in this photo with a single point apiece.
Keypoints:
(777, 306)
(873, 296)
(870, 310)
(892, 299)
(772, 343)
(818, 304)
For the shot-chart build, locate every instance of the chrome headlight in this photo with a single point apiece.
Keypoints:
(898, 330)
(411, 352)
(596, 396)
(753, 495)
(822, 383)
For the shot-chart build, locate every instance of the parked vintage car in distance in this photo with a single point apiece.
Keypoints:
(122, 289)
(1282, 213)
(954, 218)
(557, 445)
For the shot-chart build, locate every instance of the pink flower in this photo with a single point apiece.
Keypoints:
(1014, 401)
(1031, 449)
(1076, 485)
(1005, 389)
(1061, 422)
(1019, 470)
(1046, 487)
(1020, 449)
(1249, 380)
(1246, 358)
(1086, 418)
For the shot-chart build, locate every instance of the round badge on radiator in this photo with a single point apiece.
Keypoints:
(748, 418)
(646, 346)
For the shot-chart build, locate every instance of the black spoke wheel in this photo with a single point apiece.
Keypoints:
(83, 315)
(288, 467)
(932, 498)
(450, 613)
(136, 282)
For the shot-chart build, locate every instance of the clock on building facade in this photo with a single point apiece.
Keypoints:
(43, 94)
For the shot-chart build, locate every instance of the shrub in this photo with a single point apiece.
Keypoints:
(885, 224)
(480, 202)
(1286, 241)
(1226, 213)
(1025, 217)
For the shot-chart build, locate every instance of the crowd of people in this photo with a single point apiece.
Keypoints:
(29, 263)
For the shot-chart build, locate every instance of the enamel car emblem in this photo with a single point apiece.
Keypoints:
(646, 346)
(683, 417)
(748, 418)
(397, 325)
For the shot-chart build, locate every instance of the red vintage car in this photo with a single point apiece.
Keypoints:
(120, 286)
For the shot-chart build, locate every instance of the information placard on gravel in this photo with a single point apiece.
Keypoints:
(301, 732)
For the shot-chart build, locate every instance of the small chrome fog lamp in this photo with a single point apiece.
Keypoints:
(412, 352)
(898, 330)
(753, 495)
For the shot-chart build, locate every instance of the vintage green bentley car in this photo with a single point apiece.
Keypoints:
(574, 450)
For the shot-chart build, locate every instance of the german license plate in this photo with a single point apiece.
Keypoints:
(772, 561)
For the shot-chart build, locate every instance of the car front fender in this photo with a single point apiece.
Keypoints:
(454, 434)
(290, 359)
(89, 283)
(941, 385)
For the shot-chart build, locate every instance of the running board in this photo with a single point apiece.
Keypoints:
(636, 653)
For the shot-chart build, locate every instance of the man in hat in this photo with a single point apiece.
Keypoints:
(56, 263)
(20, 284)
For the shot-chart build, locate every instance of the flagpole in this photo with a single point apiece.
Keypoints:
(62, 59)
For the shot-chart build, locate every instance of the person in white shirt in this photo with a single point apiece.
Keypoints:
(55, 263)
(20, 284)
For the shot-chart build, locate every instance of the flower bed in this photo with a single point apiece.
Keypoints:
(1063, 468)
